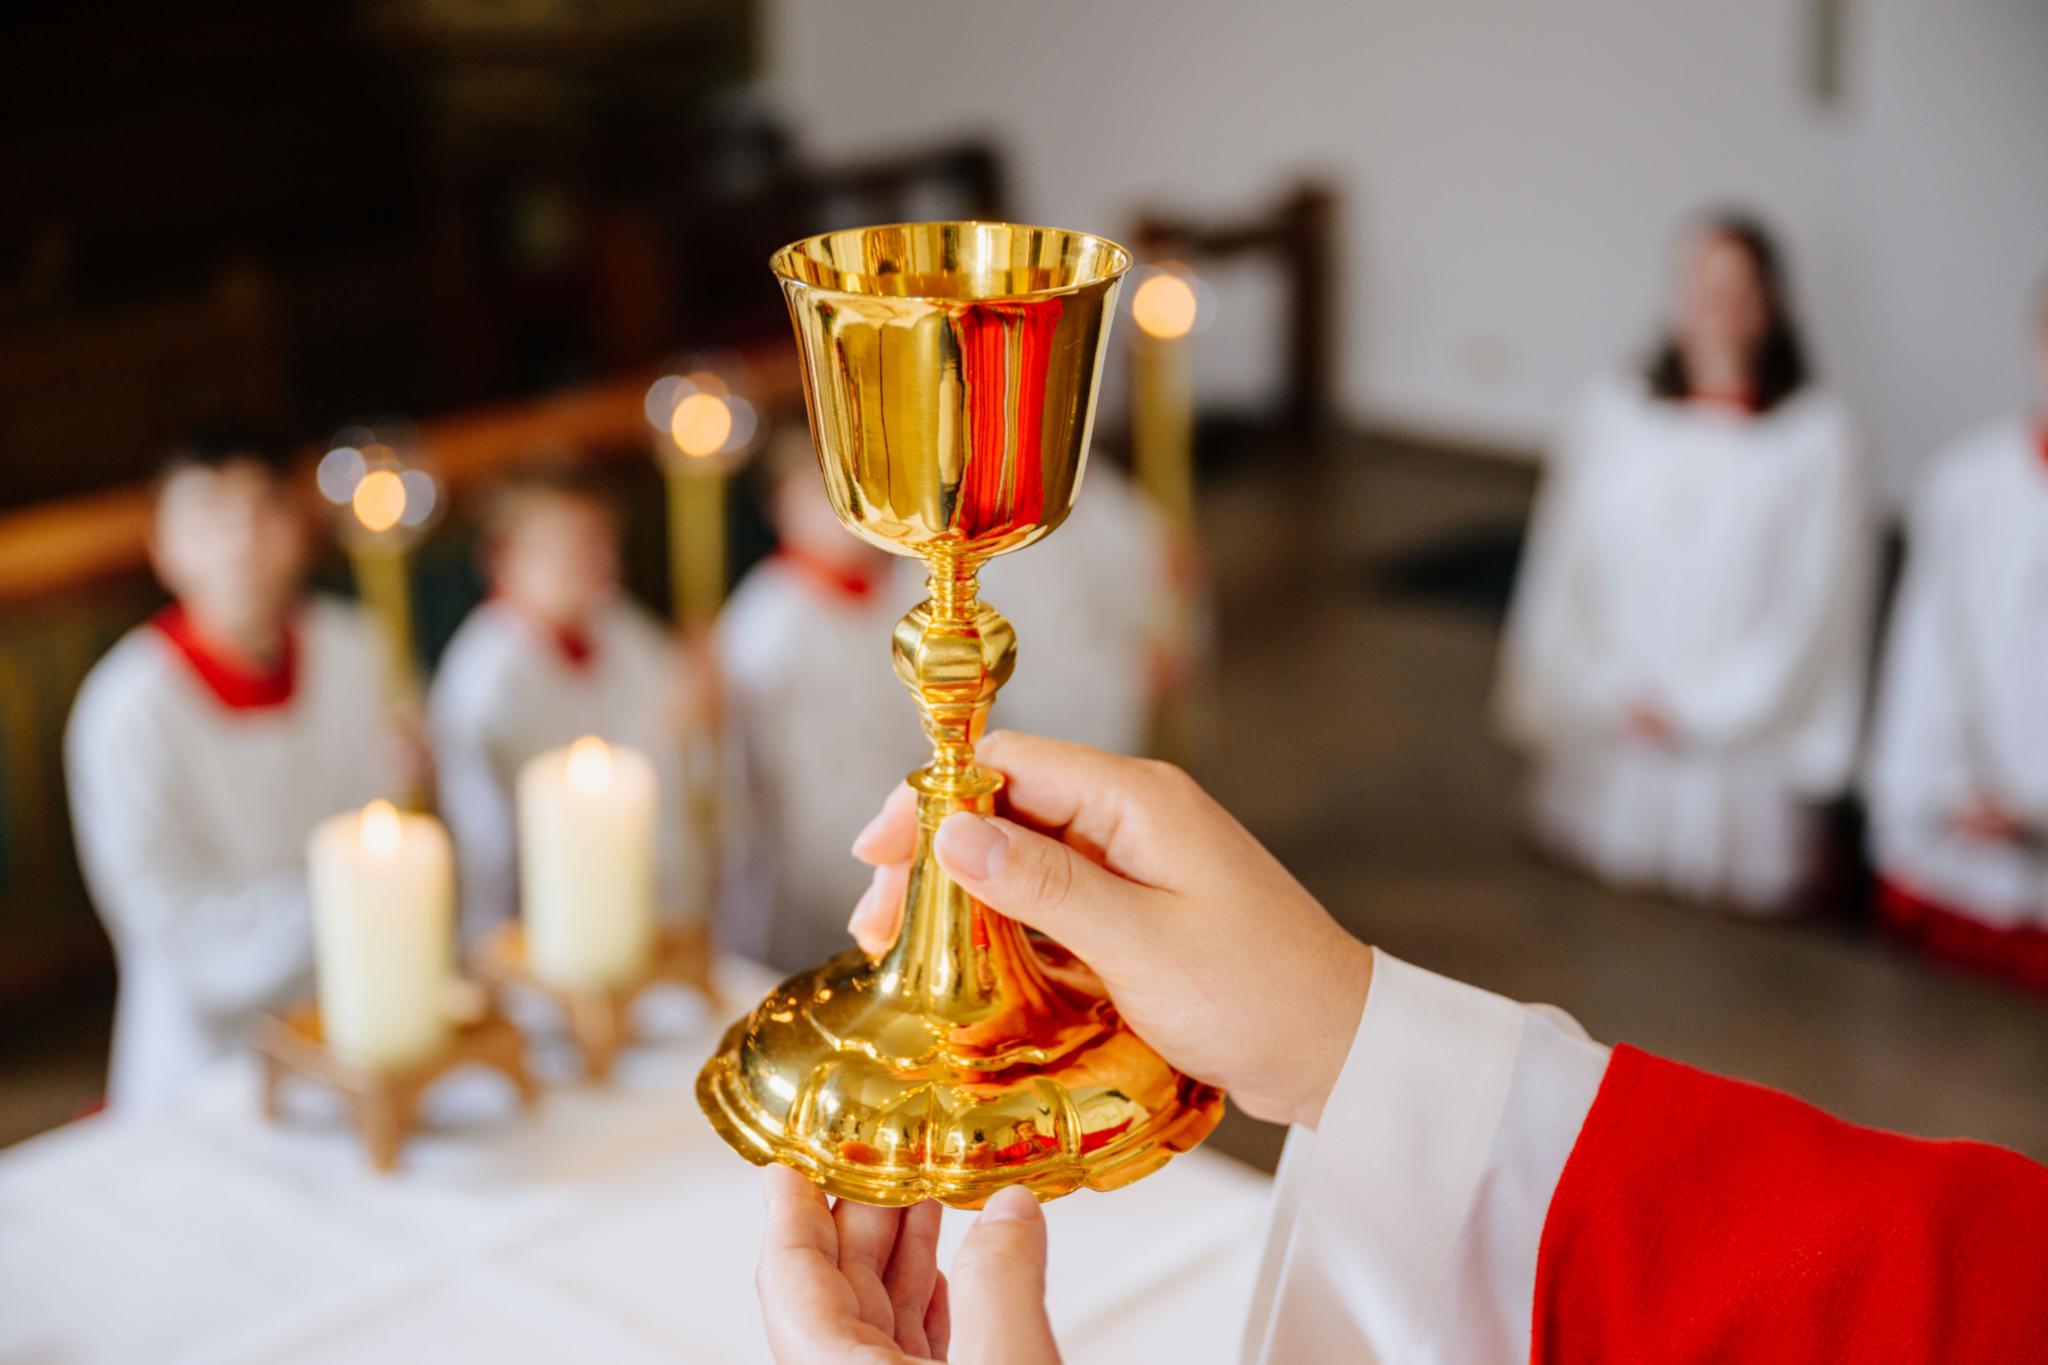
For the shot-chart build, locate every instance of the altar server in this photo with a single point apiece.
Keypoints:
(818, 714)
(557, 651)
(1095, 611)
(201, 752)
(1958, 780)
(1468, 1179)
(1685, 656)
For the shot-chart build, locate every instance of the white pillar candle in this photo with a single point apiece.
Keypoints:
(586, 864)
(383, 934)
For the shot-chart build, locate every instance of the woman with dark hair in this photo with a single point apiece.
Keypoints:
(1685, 657)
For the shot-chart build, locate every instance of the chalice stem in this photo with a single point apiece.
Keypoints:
(953, 651)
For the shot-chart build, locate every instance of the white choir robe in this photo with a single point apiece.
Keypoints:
(824, 731)
(1092, 607)
(191, 807)
(1963, 710)
(509, 689)
(1717, 565)
(1488, 1185)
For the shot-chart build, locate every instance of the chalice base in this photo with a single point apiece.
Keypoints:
(1084, 1102)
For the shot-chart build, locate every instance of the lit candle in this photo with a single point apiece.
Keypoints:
(384, 507)
(586, 864)
(383, 888)
(701, 427)
(1162, 391)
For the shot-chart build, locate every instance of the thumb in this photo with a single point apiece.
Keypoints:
(998, 1286)
(1034, 880)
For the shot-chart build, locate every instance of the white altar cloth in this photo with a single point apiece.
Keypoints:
(610, 1225)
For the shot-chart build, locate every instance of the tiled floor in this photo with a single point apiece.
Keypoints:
(1347, 727)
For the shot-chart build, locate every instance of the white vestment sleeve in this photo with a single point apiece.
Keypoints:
(234, 945)
(1406, 1227)
(474, 799)
(1562, 673)
(1927, 762)
(1920, 771)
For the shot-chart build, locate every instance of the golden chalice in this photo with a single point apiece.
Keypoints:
(950, 373)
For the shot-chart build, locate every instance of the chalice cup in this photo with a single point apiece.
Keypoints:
(950, 373)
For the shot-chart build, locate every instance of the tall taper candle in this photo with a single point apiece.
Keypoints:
(586, 863)
(1163, 396)
(383, 886)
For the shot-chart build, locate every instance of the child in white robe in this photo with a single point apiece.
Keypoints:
(817, 712)
(558, 651)
(1093, 605)
(1685, 657)
(1958, 777)
(201, 752)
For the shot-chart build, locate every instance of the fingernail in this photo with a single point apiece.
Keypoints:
(971, 846)
(1011, 1204)
(868, 832)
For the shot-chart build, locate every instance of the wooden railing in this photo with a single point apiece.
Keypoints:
(59, 547)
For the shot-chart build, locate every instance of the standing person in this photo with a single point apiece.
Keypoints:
(1958, 778)
(1684, 660)
(201, 752)
(1468, 1179)
(817, 712)
(557, 651)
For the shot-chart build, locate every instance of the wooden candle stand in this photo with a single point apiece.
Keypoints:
(385, 1104)
(600, 1019)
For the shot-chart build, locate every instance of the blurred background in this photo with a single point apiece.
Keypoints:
(1418, 227)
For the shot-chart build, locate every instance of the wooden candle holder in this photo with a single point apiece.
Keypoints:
(385, 1104)
(600, 1019)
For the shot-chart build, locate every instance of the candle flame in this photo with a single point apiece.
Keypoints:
(379, 500)
(590, 766)
(702, 424)
(1164, 305)
(381, 833)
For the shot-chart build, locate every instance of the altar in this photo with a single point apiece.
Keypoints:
(610, 1224)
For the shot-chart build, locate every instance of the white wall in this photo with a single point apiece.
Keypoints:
(1512, 171)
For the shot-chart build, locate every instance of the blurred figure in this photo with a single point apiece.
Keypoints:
(1685, 655)
(1958, 779)
(556, 652)
(1095, 619)
(202, 751)
(816, 709)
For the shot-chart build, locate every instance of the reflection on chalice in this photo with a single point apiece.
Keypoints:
(950, 373)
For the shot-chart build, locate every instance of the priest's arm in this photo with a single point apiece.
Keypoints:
(1471, 1179)
(1487, 1184)
(235, 934)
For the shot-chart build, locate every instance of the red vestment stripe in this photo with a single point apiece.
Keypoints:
(2018, 954)
(1704, 1219)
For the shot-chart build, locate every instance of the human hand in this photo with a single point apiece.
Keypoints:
(1649, 723)
(842, 1281)
(1216, 955)
(1986, 820)
(696, 696)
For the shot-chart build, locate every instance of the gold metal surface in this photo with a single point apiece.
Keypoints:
(950, 373)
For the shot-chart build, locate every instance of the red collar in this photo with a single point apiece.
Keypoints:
(232, 683)
(835, 580)
(572, 643)
(2041, 441)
